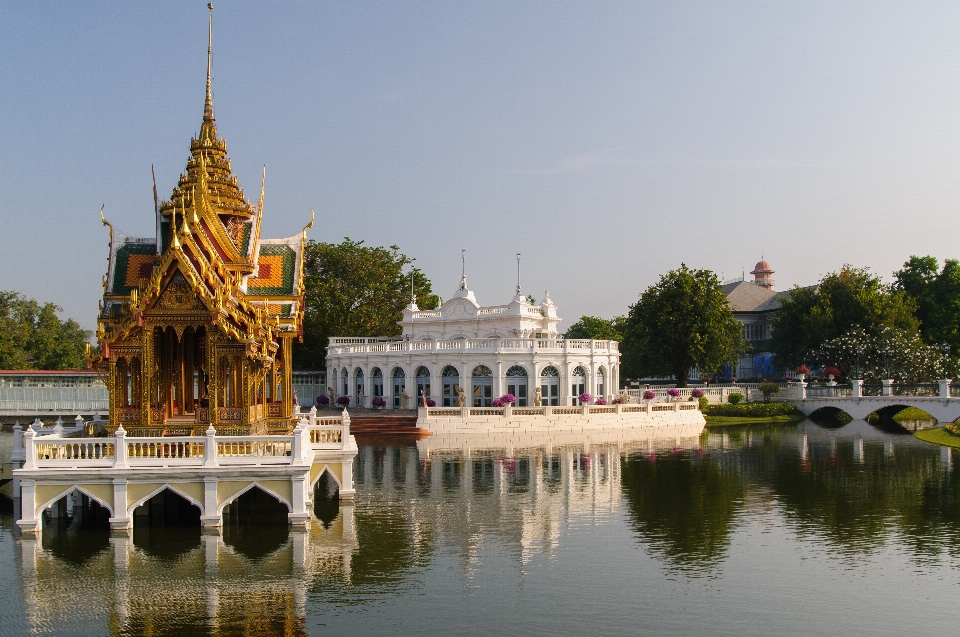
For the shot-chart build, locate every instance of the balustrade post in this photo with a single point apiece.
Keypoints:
(58, 426)
(887, 386)
(312, 417)
(210, 448)
(36, 424)
(17, 454)
(649, 408)
(676, 405)
(78, 423)
(120, 519)
(584, 409)
(944, 387)
(29, 450)
(28, 522)
(507, 411)
(345, 430)
(856, 388)
(297, 452)
(120, 449)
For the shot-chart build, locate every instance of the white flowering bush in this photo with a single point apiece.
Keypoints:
(910, 359)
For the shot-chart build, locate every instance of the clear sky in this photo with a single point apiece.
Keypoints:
(606, 141)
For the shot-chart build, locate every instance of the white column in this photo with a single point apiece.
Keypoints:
(887, 386)
(944, 387)
(856, 386)
(347, 492)
(298, 516)
(28, 521)
(498, 380)
(211, 515)
(367, 387)
(121, 518)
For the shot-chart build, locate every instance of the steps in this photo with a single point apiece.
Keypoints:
(386, 425)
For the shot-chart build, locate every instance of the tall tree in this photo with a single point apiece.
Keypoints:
(597, 328)
(850, 298)
(354, 290)
(682, 322)
(32, 336)
(936, 293)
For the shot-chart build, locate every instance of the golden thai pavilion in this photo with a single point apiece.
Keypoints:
(197, 323)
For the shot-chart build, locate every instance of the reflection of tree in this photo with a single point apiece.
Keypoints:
(853, 505)
(684, 509)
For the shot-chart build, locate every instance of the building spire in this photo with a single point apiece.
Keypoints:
(208, 104)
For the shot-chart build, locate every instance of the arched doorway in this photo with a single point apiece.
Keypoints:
(450, 380)
(517, 384)
(376, 382)
(578, 383)
(482, 386)
(601, 381)
(423, 383)
(399, 378)
(358, 386)
(550, 386)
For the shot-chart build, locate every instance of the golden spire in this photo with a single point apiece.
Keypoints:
(208, 104)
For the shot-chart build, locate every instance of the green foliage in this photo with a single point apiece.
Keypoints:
(735, 398)
(753, 410)
(768, 389)
(596, 328)
(852, 297)
(703, 402)
(937, 296)
(33, 337)
(680, 323)
(354, 290)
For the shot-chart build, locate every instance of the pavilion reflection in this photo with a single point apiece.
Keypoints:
(210, 588)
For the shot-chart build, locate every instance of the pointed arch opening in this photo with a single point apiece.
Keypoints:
(255, 522)
(76, 527)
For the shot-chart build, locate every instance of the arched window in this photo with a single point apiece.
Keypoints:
(450, 379)
(376, 382)
(517, 384)
(482, 391)
(550, 385)
(399, 378)
(578, 384)
(423, 383)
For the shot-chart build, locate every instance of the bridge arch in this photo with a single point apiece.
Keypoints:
(157, 491)
(324, 469)
(75, 487)
(233, 497)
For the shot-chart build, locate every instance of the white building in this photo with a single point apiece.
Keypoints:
(488, 351)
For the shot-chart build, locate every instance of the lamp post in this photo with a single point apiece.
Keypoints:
(945, 348)
(886, 359)
(858, 350)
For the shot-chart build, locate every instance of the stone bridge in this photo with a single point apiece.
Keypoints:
(943, 409)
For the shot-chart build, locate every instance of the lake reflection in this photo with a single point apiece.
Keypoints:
(744, 529)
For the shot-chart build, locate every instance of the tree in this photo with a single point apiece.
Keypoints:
(354, 290)
(852, 297)
(937, 296)
(682, 322)
(32, 336)
(596, 328)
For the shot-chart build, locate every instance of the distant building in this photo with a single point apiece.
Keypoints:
(754, 303)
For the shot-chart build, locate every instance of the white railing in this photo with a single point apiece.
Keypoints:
(64, 400)
(715, 394)
(466, 413)
(55, 451)
(340, 346)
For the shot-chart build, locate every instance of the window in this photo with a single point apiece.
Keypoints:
(423, 383)
(550, 385)
(399, 378)
(517, 384)
(450, 379)
(578, 384)
(482, 386)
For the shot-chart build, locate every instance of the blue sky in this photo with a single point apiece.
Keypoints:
(606, 141)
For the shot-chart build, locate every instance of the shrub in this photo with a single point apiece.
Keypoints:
(703, 402)
(751, 409)
(343, 401)
(952, 428)
(376, 402)
(735, 398)
(323, 401)
(768, 389)
(649, 394)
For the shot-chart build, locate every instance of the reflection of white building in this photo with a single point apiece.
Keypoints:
(488, 351)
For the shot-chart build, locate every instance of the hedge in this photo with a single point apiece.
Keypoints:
(751, 409)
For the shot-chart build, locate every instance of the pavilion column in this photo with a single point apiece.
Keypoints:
(287, 376)
(498, 385)
(213, 380)
(146, 373)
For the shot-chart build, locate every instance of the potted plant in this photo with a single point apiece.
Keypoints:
(802, 371)
(431, 402)
(343, 401)
(584, 398)
(323, 401)
(497, 402)
(831, 373)
(378, 402)
(649, 395)
(600, 401)
(674, 393)
(508, 399)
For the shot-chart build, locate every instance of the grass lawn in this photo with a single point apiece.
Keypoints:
(723, 421)
(912, 413)
(939, 436)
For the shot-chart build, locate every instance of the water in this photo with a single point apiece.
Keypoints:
(772, 530)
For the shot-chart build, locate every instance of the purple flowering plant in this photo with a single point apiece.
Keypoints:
(323, 401)
(649, 394)
(584, 398)
(343, 401)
